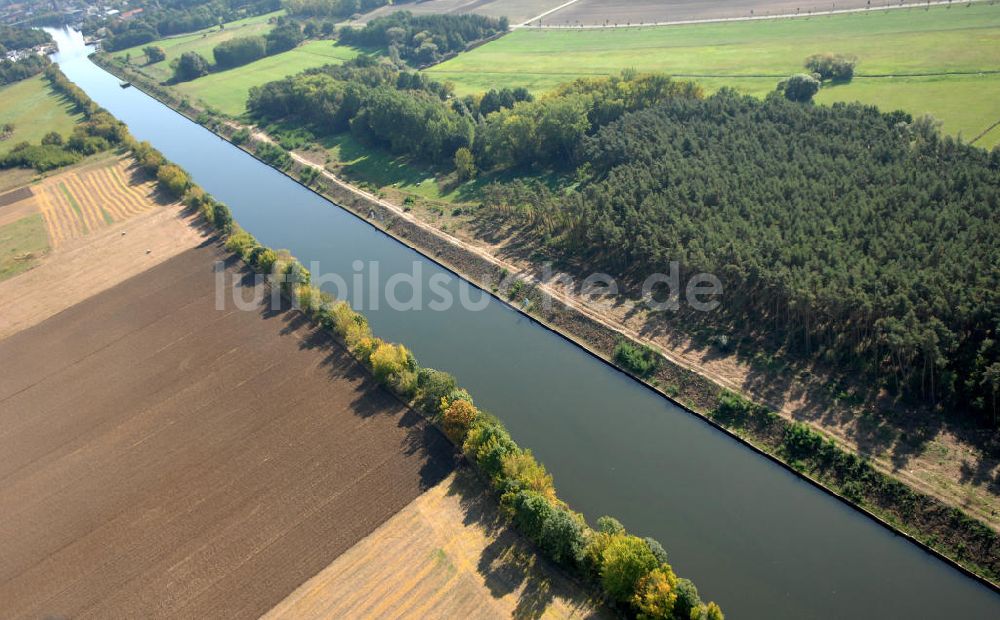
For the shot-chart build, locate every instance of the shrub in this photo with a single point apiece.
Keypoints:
(405, 383)
(240, 136)
(657, 549)
(173, 180)
(799, 87)
(295, 274)
(207, 210)
(364, 347)
(564, 537)
(528, 511)
(638, 359)
(607, 529)
(655, 597)
(190, 66)
(710, 611)
(273, 155)
(307, 297)
(432, 387)
(559, 533)
(687, 598)
(41, 157)
(195, 197)
(283, 38)
(86, 145)
(624, 561)
(387, 361)
(222, 217)
(154, 54)
(349, 325)
(308, 175)
(457, 419)
(148, 157)
(800, 441)
(457, 394)
(241, 242)
(465, 164)
(522, 471)
(487, 443)
(832, 66)
(264, 260)
(238, 51)
(734, 409)
(610, 525)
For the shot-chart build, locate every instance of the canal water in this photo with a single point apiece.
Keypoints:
(751, 535)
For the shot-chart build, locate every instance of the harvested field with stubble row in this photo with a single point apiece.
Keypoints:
(166, 459)
(449, 554)
(79, 202)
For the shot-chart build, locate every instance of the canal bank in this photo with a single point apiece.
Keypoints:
(758, 540)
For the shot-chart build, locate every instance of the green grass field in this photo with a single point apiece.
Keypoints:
(227, 90)
(753, 56)
(201, 42)
(35, 111)
(380, 168)
(400, 173)
(22, 242)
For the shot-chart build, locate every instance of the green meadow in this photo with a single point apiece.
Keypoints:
(433, 185)
(922, 60)
(35, 111)
(201, 42)
(22, 242)
(227, 90)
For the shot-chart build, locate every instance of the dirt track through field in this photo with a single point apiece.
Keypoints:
(166, 459)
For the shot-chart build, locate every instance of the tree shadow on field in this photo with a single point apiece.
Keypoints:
(436, 454)
(508, 564)
(478, 507)
(135, 176)
(420, 439)
(981, 472)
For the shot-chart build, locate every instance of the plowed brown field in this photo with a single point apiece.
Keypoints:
(161, 458)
